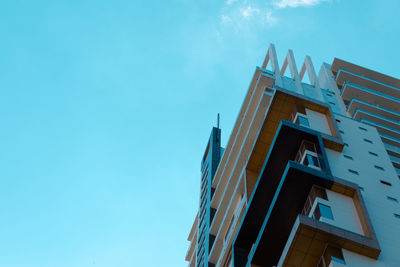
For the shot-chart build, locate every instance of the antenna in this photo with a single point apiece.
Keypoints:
(218, 120)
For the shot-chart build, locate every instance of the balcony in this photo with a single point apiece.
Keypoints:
(345, 76)
(284, 149)
(395, 161)
(288, 236)
(360, 114)
(339, 64)
(355, 104)
(353, 90)
(309, 237)
(272, 216)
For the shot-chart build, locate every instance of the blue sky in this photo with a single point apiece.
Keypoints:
(106, 108)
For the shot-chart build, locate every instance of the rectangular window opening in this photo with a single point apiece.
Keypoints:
(353, 171)
(362, 128)
(323, 211)
(331, 253)
(348, 157)
(392, 199)
(308, 155)
(315, 192)
(367, 140)
(379, 167)
(385, 183)
(372, 153)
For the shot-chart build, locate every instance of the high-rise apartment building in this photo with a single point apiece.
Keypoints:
(310, 174)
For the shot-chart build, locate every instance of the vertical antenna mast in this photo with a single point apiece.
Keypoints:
(218, 120)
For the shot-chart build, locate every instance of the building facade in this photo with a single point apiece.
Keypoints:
(310, 174)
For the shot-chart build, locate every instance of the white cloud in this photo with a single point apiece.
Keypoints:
(297, 3)
(249, 11)
(270, 18)
(225, 19)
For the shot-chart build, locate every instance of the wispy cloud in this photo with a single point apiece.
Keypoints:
(270, 18)
(239, 13)
(225, 19)
(297, 3)
(249, 11)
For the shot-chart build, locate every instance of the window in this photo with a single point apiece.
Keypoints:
(353, 171)
(345, 144)
(385, 183)
(338, 120)
(392, 199)
(396, 215)
(302, 120)
(347, 157)
(361, 188)
(331, 253)
(331, 103)
(367, 140)
(323, 211)
(307, 155)
(315, 192)
(311, 160)
(362, 128)
(372, 153)
(379, 167)
(340, 131)
(335, 254)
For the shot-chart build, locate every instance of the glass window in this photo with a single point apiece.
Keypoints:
(379, 167)
(311, 160)
(353, 171)
(331, 253)
(392, 199)
(338, 260)
(373, 153)
(367, 140)
(323, 211)
(302, 121)
(385, 183)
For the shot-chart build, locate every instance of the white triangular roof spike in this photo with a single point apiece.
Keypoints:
(309, 68)
(273, 60)
(291, 62)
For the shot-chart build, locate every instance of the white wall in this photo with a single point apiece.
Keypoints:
(344, 212)
(380, 209)
(318, 121)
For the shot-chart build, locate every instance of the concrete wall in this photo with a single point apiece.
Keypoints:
(318, 121)
(356, 157)
(344, 212)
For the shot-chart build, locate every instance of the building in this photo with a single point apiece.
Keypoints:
(310, 174)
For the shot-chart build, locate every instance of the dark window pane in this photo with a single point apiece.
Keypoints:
(311, 160)
(333, 253)
(323, 211)
(303, 121)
